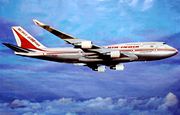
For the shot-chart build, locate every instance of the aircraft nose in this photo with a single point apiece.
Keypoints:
(175, 51)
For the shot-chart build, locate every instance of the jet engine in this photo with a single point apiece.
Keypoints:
(115, 54)
(100, 68)
(86, 44)
(119, 67)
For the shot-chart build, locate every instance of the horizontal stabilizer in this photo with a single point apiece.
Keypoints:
(16, 48)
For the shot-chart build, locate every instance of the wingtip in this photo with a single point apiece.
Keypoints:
(38, 22)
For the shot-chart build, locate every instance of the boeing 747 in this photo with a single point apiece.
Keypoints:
(87, 53)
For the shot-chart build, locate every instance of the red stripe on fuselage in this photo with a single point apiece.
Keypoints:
(139, 50)
(128, 50)
(60, 52)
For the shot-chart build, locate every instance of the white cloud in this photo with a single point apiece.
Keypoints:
(147, 4)
(65, 100)
(133, 3)
(19, 103)
(99, 105)
(122, 102)
(170, 100)
(100, 102)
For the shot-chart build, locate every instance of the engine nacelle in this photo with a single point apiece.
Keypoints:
(86, 44)
(115, 54)
(100, 69)
(119, 67)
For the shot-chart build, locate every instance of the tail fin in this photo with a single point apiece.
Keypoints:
(25, 40)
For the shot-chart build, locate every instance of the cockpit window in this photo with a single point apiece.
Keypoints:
(164, 43)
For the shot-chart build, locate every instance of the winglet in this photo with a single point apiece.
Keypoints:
(38, 22)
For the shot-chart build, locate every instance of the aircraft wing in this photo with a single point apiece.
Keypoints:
(85, 45)
(78, 43)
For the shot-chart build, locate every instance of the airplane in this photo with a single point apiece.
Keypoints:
(85, 52)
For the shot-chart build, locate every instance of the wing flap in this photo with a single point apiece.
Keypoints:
(130, 55)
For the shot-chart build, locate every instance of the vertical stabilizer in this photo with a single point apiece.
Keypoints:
(25, 40)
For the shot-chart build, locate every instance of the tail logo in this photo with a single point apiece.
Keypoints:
(29, 37)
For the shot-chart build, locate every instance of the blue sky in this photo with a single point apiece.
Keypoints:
(104, 22)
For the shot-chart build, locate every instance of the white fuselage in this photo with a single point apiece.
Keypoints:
(145, 51)
(87, 53)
